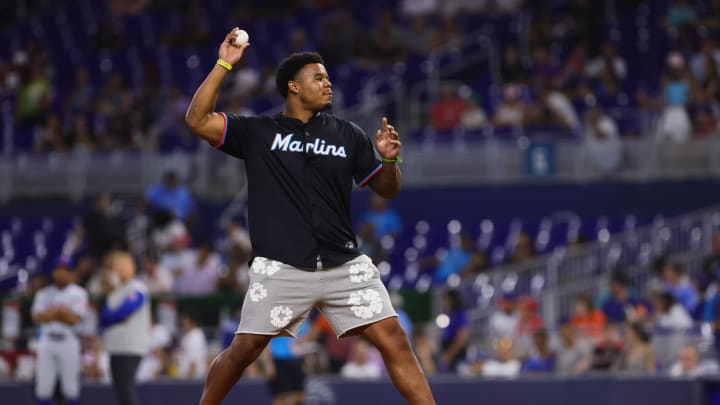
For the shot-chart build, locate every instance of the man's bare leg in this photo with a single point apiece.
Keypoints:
(407, 376)
(229, 365)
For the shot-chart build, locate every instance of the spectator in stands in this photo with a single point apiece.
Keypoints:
(338, 350)
(544, 70)
(588, 321)
(102, 229)
(172, 196)
(504, 365)
(80, 135)
(602, 140)
(678, 87)
(399, 303)
(34, 98)
(676, 283)
(245, 81)
(359, 365)
(572, 357)
(703, 311)
(50, 137)
(417, 38)
(529, 321)
(95, 362)
(512, 110)
(386, 40)
(607, 70)
(229, 326)
(157, 278)
(170, 125)
(201, 277)
(455, 335)
(621, 306)
(503, 322)
(115, 104)
(446, 112)
(138, 230)
(703, 62)
(425, 351)
(711, 263)
(638, 357)
(158, 365)
(193, 351)
(384, 220)
(541, 358)
(239, 251)
(680, 14)
(81, 99)
(463, 260)
(512, 69)
(689, 364)
(669, 314)
(523, 249)
(608, 349)
(369, 244)
(554, 110)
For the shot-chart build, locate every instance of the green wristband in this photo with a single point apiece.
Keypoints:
(396, 160)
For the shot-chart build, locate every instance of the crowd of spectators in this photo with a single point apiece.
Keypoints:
(572, 81)
(618, 331)
(562, 78)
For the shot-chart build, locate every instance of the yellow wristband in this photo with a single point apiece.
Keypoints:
(224, 64)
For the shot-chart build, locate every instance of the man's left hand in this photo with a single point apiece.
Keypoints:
(387, 141)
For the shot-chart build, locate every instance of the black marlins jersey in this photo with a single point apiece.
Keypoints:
(300, 177)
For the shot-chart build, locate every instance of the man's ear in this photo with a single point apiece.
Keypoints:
(293, 87)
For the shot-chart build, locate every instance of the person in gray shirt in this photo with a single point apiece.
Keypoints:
(573, 357)
(126, 322)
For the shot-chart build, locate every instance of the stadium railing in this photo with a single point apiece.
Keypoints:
(559, 277)
(212, 174)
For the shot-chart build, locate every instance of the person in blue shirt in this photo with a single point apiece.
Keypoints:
(621, 302)
(678, 285)
(283, 366)
(405, 321)
(384, 220)
(171, 196)
(456, 334)
(229, 327)
(462, 260)
(542, 359)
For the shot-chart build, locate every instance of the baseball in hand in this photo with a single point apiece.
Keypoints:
(242, 37)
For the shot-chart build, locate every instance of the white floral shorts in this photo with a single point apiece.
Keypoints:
(280, 297)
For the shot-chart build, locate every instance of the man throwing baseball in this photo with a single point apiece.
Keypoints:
(300, 167)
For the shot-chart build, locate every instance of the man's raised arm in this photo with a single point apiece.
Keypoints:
(201, 116)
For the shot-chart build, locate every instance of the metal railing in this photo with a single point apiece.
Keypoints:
(558, 278)
(211, 174)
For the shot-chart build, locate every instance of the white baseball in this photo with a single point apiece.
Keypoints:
(242, 37)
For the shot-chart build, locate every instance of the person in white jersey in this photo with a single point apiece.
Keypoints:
(126, 322)
(56, 310)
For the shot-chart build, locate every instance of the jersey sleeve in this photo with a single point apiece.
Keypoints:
(39, 303)
(79, 304)
(367, 163)
(235, 136)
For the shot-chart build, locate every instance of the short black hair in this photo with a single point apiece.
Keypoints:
(290, 66)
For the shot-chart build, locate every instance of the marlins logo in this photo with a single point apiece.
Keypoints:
(319, 147)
